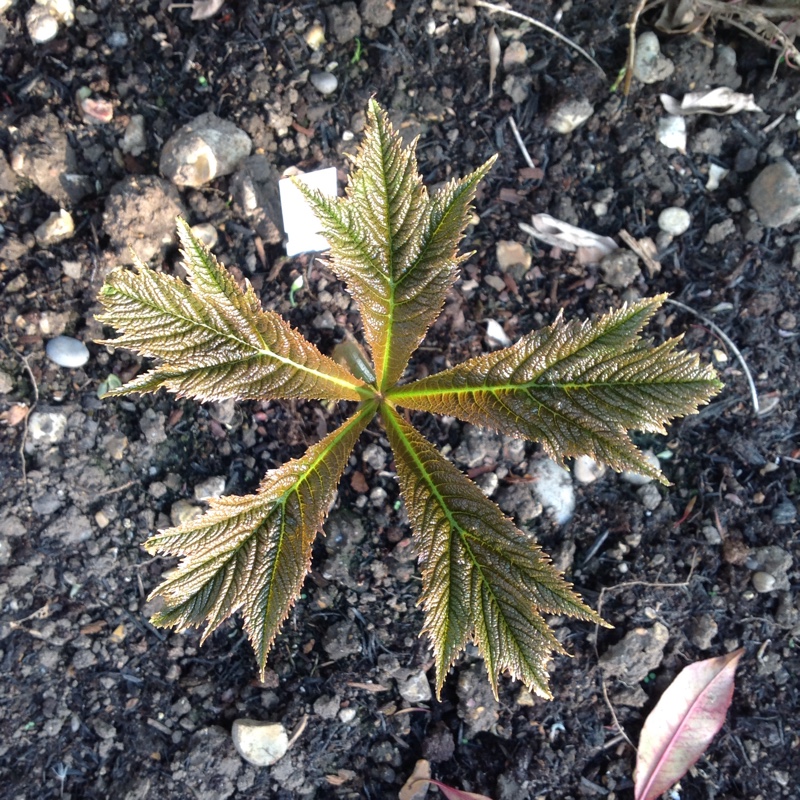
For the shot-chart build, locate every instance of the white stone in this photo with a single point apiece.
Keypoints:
(207, 234)
(210, 487)
(637, 479)
(324, 82)
(56, 228)
(134, 140)
(183, 511)
(587, 470)
(674, 220)
(495, 335)
(67, 352)
(649, 65)
(42, 25)
(672, 132)
(5, 5)
(47, 427)
(552, 486)
(62, 10)
(260, 743)
(72, 269)
(202, 150)
(570, 114)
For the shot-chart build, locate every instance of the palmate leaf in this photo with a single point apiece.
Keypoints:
(576, 387)
(482, 578)
(393, 245)
(215, 340)
(252, 553)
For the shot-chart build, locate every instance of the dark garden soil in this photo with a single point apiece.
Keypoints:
(97, 703)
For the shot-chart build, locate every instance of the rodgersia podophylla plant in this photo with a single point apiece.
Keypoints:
(575, 387)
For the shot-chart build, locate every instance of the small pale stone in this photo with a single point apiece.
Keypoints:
(260, 743)
(672, 132)
(649, 496)
(495, 335)
(570, 114)
(72, 269)
(210, 488)
(324, 82)
(134, 141)
(56, 228)
(649, 65)
(207, 234)
(552, 485)
(510, 254)
(763, 582)
(775, 195)
(674, 220)
(183, 511)
(315, 36)
(415, 688)
(516, 55)
(587, 470)
(67, 352)
(636, 478)
(6, 382)
(42, 25)
(47, 427)
(620, 268)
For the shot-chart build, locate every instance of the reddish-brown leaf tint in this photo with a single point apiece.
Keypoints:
(456, 794)
(681, 726)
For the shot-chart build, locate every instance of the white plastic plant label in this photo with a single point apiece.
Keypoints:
(299, 221)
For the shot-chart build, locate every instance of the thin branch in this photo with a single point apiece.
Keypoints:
(725, 338)
(632, 46)
(35, 386)
(535, 22)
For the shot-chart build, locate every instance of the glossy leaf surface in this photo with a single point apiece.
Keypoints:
(215, 340)
(393, 244)
(681, 726)
(576, 387)
(482, 578)
(252, 553)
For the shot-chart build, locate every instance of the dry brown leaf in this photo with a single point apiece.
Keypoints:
(719, 102)
(589, 247)
(15, 414)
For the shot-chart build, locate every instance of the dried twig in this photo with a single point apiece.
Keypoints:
(632, 46)
(525, 154)
(535, 22)
(35, 386)
(734, 349)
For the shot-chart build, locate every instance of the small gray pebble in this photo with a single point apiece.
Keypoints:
(674, 220)
(67, 352)
(763, 582)
(324, 82)
(784, 513)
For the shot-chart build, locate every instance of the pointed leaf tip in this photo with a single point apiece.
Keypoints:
(682, 725)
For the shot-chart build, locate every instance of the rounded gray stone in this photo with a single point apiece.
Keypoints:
(775, 195)
(649, 66)
(324, 82)
(67, 352)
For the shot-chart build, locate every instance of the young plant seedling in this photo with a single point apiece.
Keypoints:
(576, 387)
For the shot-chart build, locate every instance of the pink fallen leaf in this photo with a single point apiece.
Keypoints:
(681, 726)
(455, 794)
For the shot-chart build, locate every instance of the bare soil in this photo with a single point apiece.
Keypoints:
(97, 703)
